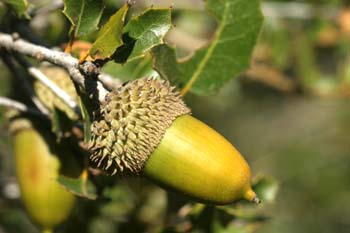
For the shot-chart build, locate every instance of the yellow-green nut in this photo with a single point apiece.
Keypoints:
(37, 167)
(145, 128)
(61, 78)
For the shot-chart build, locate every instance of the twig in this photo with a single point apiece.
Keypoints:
(24, 83)
(271, 77)
(6, 102)
(49, 7)
(180, 38)
(298, 10)
(41, 53)
(77, 71)
(109, 82)
(81, 74)
(36, 73)
(41, 77)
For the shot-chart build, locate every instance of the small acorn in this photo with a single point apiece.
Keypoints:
(61, 78)
(144, 128)
(37, 168)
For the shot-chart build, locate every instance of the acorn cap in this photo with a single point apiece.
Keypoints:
(131, 124)
(61, 78)
(17, 123)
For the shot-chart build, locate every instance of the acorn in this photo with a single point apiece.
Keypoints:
(145, 128)
(37, 167)
(61, 78)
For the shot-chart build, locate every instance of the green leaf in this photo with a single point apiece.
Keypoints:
(234, 227)
(144, 32)
(85, 112)
(165, 63)
(131, 70)
(266, 188)
(228, 54)
(19, 6)
(78, 186)
(247, 212)
(84, 15)
(60, 123)
(110, 36)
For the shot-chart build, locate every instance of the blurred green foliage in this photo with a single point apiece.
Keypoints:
(289, 115)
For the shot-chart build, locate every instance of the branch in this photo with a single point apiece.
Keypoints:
(48, 8)
(24, 83)
(271, 77)
(109, 82)
(6, 102)
(40, 76)
(42, 53)
(77, 71)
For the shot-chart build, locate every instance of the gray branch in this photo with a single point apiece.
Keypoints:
(109, 82)
(41, 53)
(6, 102)
(62, 59)
(40, 76)
(26, 87)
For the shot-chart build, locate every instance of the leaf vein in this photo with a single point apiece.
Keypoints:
(209, 52)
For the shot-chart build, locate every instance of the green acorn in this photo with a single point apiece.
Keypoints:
(145, 128)
(38, 161)
(61, 78)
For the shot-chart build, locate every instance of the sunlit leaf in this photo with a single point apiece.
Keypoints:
(266, 188)
(19, 6)
(110, 36)
(84, 15)
(131, 70)
(78, 186)
(165, 63)
(226, 56)
(144, 32)
(85, 112)
(60, 123)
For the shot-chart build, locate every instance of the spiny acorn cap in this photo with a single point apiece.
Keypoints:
(18, 123)
(61, 78)
(132, 122)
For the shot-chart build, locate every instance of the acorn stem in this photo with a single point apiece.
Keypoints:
(256, 200)
(251, 196)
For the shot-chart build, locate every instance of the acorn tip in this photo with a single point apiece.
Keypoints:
(251, 196)
(256, 200)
